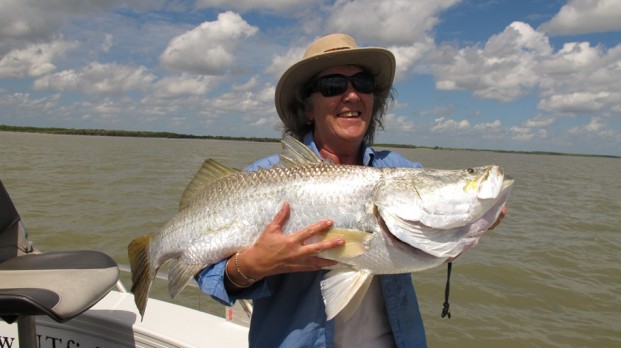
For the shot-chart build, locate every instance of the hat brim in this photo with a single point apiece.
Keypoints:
(379, 61)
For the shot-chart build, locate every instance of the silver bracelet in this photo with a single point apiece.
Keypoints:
(226, 273)
(240, 272)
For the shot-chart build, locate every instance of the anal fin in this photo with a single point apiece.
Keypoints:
(179, 274)
(343, 291)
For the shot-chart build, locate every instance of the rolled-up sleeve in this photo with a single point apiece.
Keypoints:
(211, 281)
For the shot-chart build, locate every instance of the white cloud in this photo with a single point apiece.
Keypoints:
(576, 79)
(402, 26)
(572, 58)
(107, 43)
(29, 20)
(24, 100)
(581, 78)
(526, 134)
(260, 122)
(281, 62)
(439, 111)
(539, 121)
(390, 22)
(522, 133)
(398, 124)
(503, 69)
(596, 128)
(97, 78)
(183, 85)
(208, 49)
(407, 57)
(490, 126)
(578, 102)
(34, 60)
(251, 101)
(585, 16)
(35, 20)
(464, 128)
(442, 125)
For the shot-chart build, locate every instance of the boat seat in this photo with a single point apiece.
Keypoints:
(59, 284)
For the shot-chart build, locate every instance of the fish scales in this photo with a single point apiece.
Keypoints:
(230, 215)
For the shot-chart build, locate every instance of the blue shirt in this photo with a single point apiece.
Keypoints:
(288, 308)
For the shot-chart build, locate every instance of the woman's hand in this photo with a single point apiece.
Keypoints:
(276, 252)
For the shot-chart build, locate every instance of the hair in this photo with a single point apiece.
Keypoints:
(296, 126)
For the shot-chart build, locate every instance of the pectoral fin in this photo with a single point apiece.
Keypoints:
(343, 291)
(356, 243)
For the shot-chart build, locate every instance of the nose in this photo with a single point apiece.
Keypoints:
(350, 93)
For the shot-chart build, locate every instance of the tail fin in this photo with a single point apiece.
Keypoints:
(142, 271)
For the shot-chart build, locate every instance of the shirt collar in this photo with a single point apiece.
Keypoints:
(368, 154)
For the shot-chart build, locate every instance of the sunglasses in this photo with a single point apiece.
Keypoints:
(332, 85)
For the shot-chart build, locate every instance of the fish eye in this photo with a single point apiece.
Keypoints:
(470, 170)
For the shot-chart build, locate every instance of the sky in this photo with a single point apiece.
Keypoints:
(528, 75)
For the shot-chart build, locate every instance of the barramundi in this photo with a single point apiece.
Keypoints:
(394, 220)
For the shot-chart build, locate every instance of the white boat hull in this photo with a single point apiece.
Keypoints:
(115, 322)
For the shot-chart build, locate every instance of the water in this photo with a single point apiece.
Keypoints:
(548, 276)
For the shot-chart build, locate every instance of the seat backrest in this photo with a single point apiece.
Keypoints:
(12, 235)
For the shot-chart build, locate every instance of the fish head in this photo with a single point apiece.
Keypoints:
(442, 198)
(434, 210)
(452, 198)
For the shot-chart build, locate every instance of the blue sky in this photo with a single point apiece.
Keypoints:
(525, 75)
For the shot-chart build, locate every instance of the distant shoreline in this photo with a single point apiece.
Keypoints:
(170, 135)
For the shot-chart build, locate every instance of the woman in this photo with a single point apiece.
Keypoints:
(333, 100)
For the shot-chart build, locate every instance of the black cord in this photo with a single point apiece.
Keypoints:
(446, 310)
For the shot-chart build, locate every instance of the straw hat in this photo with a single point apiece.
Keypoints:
(326, 52)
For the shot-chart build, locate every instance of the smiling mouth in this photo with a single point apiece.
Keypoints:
(349, 114)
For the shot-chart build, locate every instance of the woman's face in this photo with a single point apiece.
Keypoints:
(343, 118)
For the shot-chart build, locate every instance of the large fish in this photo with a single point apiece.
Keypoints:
(394, 220)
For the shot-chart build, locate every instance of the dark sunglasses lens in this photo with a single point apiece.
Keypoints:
(332, 85)
(363, 82)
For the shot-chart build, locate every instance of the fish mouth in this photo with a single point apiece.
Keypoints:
(490, 183)
(349, 114)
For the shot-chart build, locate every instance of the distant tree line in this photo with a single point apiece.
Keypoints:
(145, 134)
(126, 133)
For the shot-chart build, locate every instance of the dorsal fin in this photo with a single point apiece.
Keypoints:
(295, 153)
(210, 171)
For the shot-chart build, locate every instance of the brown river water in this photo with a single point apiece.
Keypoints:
(548, 276)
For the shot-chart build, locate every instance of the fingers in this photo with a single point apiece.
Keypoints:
(277, 252)
(314, 229)
(282, 216)
(312, 244)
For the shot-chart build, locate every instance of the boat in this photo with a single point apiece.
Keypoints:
(76, 299)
